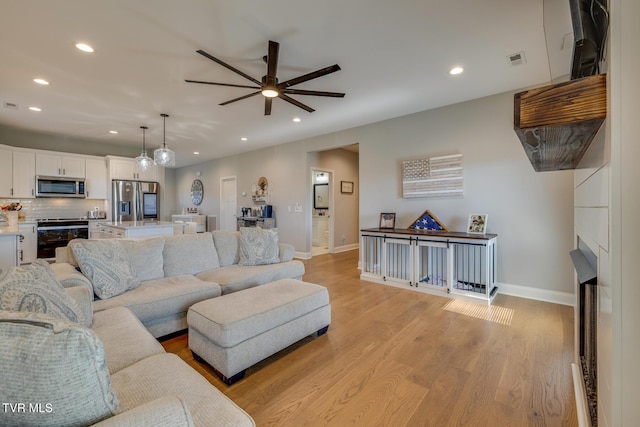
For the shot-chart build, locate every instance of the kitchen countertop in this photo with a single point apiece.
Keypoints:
(6, 230)
(138, 224)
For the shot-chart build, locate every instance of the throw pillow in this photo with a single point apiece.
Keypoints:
(34, 288)
(189, 254)
(145, 257)
(258, 246)
(227, 246)
(105, 263)
(58, 367)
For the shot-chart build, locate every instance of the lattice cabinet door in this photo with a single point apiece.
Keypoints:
(398, 260)
(433, 264)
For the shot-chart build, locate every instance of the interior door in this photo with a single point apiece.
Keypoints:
(228, 203)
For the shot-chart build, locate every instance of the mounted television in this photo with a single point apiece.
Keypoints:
(590, 19)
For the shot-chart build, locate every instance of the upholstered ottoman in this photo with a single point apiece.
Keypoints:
(235, 331)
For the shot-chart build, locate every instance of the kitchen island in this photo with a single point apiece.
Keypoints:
(122, 229)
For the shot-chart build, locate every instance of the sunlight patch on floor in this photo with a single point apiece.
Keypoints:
(491, 313)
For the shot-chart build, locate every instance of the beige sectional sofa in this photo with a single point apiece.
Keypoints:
(171, 273)
(63, 365)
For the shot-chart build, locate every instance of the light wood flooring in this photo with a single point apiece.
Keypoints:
(394, 357)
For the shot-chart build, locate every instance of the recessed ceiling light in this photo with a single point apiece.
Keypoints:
(243, 139)
(196, 152)
(35, 108)
(84, 47)
(297, 119)
(456, 70)
(115, 132)
(41, 81)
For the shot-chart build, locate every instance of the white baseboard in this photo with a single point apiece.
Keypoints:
(563, 298)
(302, 255)
(345, 248)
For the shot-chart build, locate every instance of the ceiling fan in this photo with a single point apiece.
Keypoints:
(269, 86)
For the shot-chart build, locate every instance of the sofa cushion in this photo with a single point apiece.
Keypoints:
(258, 246)
(235, 278)
(228, 246)
(34, 288)
(162, 297)
(106, 264)
(145, 257)
(167, 375)
(69, 277)
(57, 364)
(189, 254)
(164, 411)
(124, 338)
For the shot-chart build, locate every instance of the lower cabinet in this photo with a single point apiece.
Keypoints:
(256, 222)
(28, 243)
(9, 250)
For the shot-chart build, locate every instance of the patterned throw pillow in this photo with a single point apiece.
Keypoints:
(55, 364)
(258, 246)
(34, 288)
(106, 264)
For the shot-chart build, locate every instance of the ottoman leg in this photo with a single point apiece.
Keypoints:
(323, 330)
(232, 379)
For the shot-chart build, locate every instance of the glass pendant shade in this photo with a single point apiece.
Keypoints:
(164, 156)
(143, 161)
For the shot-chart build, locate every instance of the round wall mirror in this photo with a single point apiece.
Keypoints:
(197, 192)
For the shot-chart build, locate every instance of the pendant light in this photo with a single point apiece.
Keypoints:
(164, 156)
(144, 162)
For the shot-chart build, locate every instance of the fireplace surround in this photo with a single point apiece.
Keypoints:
(585, 263)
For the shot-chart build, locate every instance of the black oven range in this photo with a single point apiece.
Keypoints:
(54, 233)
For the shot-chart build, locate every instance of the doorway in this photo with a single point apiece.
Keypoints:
(228, 203)
(321, 210)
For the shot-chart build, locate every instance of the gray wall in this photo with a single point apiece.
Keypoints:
(532, 213)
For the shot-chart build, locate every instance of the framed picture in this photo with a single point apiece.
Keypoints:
(388, 220)
(346, 187)
(477, 223)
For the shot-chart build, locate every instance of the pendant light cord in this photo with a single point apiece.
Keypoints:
(164, 130)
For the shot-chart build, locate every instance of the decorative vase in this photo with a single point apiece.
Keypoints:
(12, 217)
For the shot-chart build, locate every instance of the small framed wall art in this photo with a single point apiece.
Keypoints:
(388, 220)
(346, 187)
(477, 223)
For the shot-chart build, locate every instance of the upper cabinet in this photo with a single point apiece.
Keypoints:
(57, 164)
(96, 179)
(125, 168)
(17, 173)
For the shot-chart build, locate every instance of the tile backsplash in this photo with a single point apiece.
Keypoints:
(43, 208)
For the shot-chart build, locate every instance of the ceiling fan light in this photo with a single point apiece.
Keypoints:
(270, 92)
(164, 156)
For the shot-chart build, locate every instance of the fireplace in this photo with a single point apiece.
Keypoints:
(586, 265)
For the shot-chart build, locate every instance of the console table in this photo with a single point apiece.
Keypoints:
(443, 263)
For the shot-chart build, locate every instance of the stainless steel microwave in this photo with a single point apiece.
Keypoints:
(56, 186)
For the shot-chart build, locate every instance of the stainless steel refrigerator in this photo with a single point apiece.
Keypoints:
(135, 200)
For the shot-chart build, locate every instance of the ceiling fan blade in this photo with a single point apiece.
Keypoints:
(313, 92)
(296, 103)
(222, 84)
(240, 98)
(309, 76)
(224, 64)
(272, 61)
(267, 106)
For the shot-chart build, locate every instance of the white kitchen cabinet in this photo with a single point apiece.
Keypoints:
(125, 168)
(6, 172)
(28, 243)
(24, 174)
(8, 250)
(54, 164)
(17, 173)
(96, 180)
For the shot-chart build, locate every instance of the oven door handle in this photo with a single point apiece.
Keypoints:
(63, 227)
